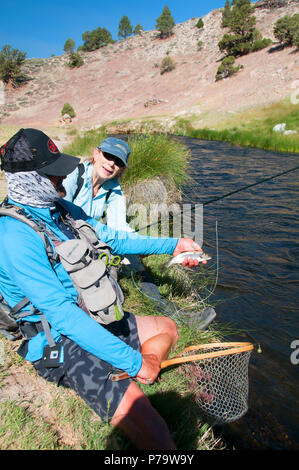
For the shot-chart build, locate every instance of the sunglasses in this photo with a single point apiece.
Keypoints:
(115, 159)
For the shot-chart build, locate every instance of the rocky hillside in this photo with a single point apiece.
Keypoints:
(123, 80)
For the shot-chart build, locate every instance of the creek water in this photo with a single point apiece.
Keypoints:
(257, 293)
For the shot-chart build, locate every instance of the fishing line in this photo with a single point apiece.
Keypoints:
(205, 204)
(202, 301)
(219, 198)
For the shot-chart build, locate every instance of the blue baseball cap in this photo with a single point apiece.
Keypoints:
(117, 147)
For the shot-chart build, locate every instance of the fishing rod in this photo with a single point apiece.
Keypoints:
(219, 198)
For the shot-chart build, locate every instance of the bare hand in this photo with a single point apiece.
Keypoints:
(149, 370)
(187, 244)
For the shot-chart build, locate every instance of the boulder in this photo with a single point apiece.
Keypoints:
(279, 127)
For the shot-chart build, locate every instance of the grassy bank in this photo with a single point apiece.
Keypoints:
(251, 128)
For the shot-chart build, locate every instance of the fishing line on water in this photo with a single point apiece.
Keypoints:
(217, 247)
(219, 198)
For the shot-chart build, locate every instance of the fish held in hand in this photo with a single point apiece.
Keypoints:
(195, 255)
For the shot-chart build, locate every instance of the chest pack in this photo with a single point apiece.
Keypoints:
(86, 259)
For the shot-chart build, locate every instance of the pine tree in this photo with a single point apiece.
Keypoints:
(165, 23)
(242, 30)
(11, 61)
(69, 46)
(138, 29)
(124, 28)
(226, 15)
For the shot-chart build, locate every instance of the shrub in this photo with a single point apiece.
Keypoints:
(227, 68)
(261, 44)
(167, 65)
(286, 30)
(75, 60)
(68, 109)
(200, 23)
(165, 23)
(200, 45)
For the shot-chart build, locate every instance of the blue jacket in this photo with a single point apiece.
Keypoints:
(95, 206)
(25, 271)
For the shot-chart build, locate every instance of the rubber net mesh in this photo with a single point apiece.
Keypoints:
(220, 385)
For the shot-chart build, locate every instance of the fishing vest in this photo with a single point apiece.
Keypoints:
(86, 259)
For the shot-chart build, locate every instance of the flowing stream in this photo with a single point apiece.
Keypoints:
(257, 292)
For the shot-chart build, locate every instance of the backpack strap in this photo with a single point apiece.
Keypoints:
(39, 227)
(80, 179)
(108, 195)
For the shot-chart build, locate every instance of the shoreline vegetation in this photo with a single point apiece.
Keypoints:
(253, 128)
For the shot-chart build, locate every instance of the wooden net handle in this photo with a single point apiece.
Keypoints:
(235, 348)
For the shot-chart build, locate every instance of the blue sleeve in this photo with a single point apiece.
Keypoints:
(32, 273)
(70, 185)
(125, 243)
(128, 243)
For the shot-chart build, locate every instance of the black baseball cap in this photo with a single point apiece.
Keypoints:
(31, 149)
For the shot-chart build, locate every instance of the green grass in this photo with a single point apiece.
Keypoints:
(252, 128)
(156, 155)
(20, 430)
(83, 145)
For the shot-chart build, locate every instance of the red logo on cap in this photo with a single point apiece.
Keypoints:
(52, 147)
(2, 149)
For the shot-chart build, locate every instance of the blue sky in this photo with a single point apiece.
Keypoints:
(40, 28)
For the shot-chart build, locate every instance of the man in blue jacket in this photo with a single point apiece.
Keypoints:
(88, 351)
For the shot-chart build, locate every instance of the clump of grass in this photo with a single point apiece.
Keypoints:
(83, 145)
(156, 155)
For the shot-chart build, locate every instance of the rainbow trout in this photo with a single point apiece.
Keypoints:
(187, 254)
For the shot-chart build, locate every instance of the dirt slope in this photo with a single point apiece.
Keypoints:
(117, 81)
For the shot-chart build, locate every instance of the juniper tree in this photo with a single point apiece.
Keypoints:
(286, 30)
(95, 39)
